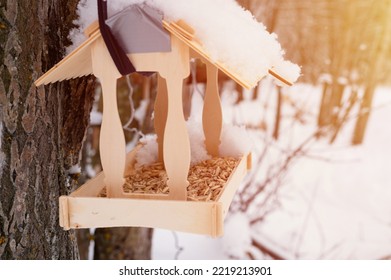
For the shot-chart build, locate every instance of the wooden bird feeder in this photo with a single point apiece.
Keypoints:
(85, 207)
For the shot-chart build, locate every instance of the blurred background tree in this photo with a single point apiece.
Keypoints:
(344, 45)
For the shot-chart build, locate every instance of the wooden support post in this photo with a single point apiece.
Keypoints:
(173, 67)
(112, 139)
(161, 107)
(212, 116)
(176, 144)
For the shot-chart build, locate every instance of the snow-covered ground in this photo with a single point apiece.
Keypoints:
(334, 205)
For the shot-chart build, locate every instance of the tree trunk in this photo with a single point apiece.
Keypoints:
(323, 117)
(123, 244)
(363, 117)
(345, 114)
(379, 56)
(42, 129)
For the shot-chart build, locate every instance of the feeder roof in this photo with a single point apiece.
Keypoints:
(259, 53)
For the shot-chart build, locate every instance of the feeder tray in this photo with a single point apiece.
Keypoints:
(86, 207)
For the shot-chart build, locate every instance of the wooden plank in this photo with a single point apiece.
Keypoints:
(186, 30)
(64, 212)
(217, 218)
(160, 114)
(92, 28)
(176, 143)
(92, 188)
(112, 144)
(279, 77)
(249, 161)
(186, 216)
(232, 185)
(146, 196)
(212, 114)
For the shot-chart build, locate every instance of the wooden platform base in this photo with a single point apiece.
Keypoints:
(85, 209)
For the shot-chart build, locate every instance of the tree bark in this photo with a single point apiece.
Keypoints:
(123, 244)
(42, 129)
(363, 117)
(379, 56)
(324, 109)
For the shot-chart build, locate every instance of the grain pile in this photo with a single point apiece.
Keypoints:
(206, 179)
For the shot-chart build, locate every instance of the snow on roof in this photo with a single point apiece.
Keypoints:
(228, 33)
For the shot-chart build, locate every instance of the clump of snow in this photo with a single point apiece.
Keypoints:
(197, 102)
(95, 117)
(343, 80)
(134, 142)
(325, 78)
(88, 12)
(287, 70)
(91, 172)
(148, 153)
(197, 142)
(237, 242)
(235, 141)
(229, 34)
(74, 169)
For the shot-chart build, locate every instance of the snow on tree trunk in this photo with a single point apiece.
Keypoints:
(42, 129)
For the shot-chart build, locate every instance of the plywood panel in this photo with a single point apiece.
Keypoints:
(195, 217)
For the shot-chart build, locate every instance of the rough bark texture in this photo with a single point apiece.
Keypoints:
(42, 129)
(123, 244)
